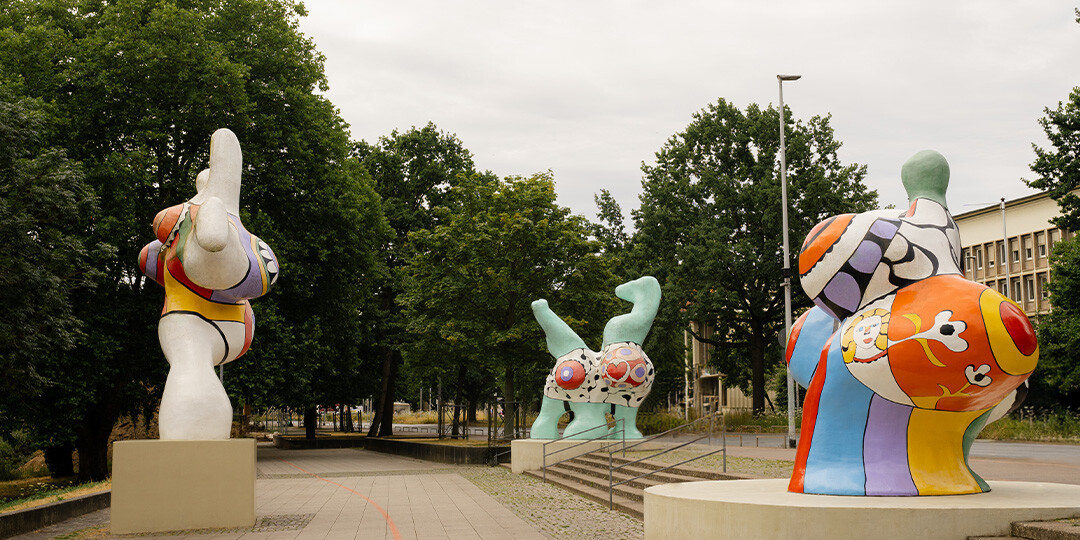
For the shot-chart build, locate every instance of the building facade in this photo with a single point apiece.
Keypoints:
(1016, 261)
(704, 385)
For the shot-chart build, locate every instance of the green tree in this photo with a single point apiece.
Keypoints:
(497, 247)
(412, 173)
(1059, 168)
(46, 212)
(1057, 380)
(609, 229)
(709, 227)
(139, 86)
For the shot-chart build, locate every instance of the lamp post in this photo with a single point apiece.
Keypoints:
(787, 265)
(1008, 252)
(1006, 259)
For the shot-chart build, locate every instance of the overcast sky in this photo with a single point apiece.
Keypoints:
(591, 89)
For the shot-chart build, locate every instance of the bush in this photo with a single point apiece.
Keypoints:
(1025, 425)
(657, 422)
(14, 454)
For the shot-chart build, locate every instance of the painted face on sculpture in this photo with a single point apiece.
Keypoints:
(866, 339)
(948, 344)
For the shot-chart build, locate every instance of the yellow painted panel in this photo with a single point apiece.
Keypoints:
(936, 452)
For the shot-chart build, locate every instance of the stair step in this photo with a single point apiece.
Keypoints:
(1062, 529)
(686, 471)
(671, 476)
(626, 491)
(699, 473)
(635, 508)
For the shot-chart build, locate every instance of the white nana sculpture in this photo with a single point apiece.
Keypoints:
(210, 265)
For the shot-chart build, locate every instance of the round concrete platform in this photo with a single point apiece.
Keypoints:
(749, 509)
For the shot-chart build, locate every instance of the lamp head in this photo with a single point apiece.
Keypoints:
(788, 77)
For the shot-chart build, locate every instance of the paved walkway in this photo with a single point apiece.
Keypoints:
(348, 493)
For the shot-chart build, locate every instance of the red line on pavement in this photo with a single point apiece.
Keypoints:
(390, 522)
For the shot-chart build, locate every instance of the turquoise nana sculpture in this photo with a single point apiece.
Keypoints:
(591, 382)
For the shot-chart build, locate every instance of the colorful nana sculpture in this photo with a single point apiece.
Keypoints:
(620, 374)
(905, 361)
(210, 265)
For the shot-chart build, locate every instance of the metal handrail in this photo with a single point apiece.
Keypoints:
(611, 468)
(607, 435)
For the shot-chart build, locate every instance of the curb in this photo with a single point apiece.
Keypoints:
(32, 519)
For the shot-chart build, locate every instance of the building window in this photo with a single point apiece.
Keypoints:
(1014, 290)
(1001, 253)
(1042, 287)
(978, 258)
(1016, 255)
(1027, 253)
(1029, 287)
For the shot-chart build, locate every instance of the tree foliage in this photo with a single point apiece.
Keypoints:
(1059, 168)
(1057, 380)
(412, 172)
(709, 226)
(498, 245)
(138, 87)
(46, 212)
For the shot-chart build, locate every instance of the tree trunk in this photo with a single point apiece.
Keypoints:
(245, 418)
(92, 441)
(383, 424)
(757, 374)
(311, 416)
(510, 405)
(385, 388)
(59, 461)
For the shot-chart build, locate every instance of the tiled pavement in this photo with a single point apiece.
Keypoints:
(348, 493)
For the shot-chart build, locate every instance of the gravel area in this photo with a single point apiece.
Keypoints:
(557, 512)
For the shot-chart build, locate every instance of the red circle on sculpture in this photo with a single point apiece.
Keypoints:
(1019, 328)
(569, 374)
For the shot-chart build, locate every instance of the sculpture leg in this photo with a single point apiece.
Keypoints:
(561, 339)
(586, 416)
(546, 425)
(628, 415)
(644, 293)
(194, 404)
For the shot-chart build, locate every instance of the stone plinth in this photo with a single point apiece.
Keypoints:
(752, 509)
(528, 454)
(174, 485)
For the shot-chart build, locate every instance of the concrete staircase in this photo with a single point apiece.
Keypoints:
(1062, 529)
(587, 475)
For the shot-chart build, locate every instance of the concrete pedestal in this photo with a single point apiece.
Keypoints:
(528, 454)
(750, 509)
(174, 485)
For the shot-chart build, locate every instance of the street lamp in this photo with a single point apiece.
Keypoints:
(787, 266)
(1008, 252)
(1005, 245)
